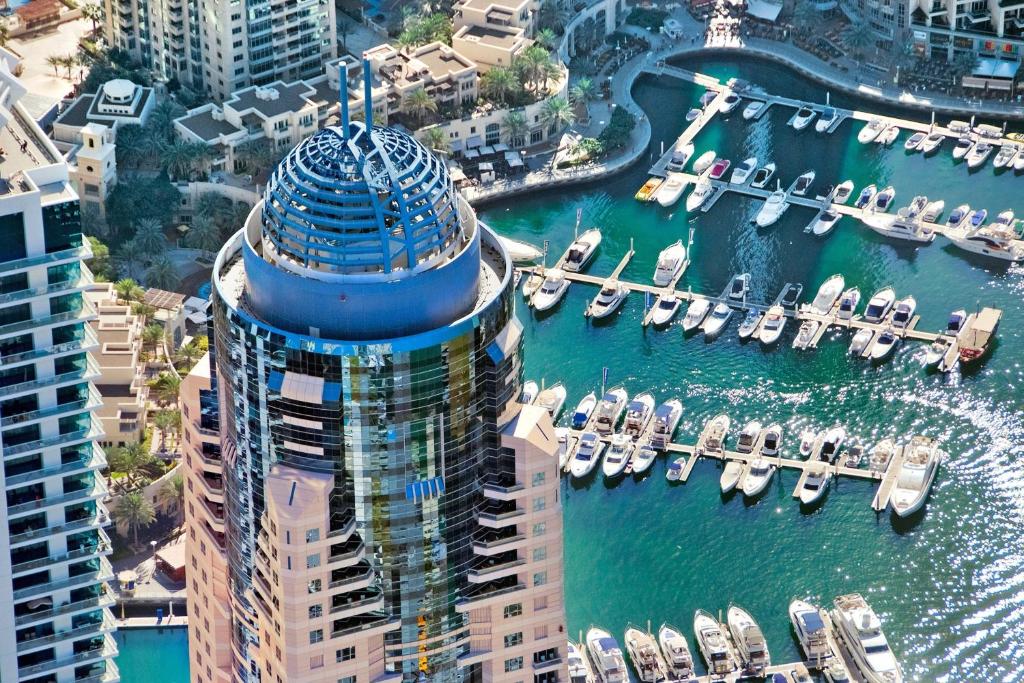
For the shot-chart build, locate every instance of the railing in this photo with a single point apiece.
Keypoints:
(81, 282)
(87, 551)
(366, 575)
(88, 341)
(103, 574)
(97, 490)
(99, 602)
(106, 625)
(108, 650)
(95, 461)
(81, 253)
(86, 312)
(94, 430)
(94, 401)
(112, 673)
(67, 527)
(90, 371)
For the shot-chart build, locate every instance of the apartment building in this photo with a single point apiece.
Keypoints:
(520, 14)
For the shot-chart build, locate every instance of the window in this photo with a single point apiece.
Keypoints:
(539, 529)
(540, 603)
(540, 578)
(314, 586)
(312, 560)
(513, 639)
(540, 553)
(345, 654)
(316, 662)
(316, 636)
(539, 504)
(312, 535)
(514, 664)
(347, 679)
(514, 610)
(316, 611)
(538, 478)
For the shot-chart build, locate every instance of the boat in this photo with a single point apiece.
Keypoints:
(639, 412)
(959, 127)
(798, 674)
(644, 654)
(716, 322)
(1018, 161)
(681, 154)
(956, 322)
(881, 455)
(750, 643)
(715, 432)
(774, 322)
(974, 340)
(811, 633)
(583, 411)
(916, 206)
(665, 309)
(750, 322)
(719, 168)
(808, 438)
(828, 294)
(803, 118)
(958, 215)
(934, 353)
(842, 193)
(648, 190)
(741, 173)
(692, 114)
(1004, 157)
(676, 651)
(825, 222)
(520, 252)
(606, 655)
(670, 191)
(731, 474)
(671, 262)
(609, 410)
(978, 155)
(616, 457)
(702, 191)
(730, 102)
(962, 147)
(551, 292)
(860, 341)
(848, 304)
(932, 142)
(552, 399)
(921, 460)
(978, 217)
(888, 136)
(530, 391)
(865, 196)
(901, 226)
(805, 335)
(752, 109)
(858, 628)
(771, 440)
(883, 200)
(748, 437)
(763, 175)
(828, 448)
(1005, 219)
(666, 419)
(870, 131)
(913, 143)
(704, 162)
(772, 209)
(579, 671)
(879, 305)
(903, 312)
(713, 645)
(532, 284)
(854, 454)
(815, 485)
(565, 444)
(885, 344)
(588, 453)
(836, 672)
(802, 184)
(675, 468)
(608, 299)
(990, 241)
(932, 211)
(582, 250)
(739, 287)
(695, 314)
(829, 116)
(759, 475)
(790, 295)
(707, 98)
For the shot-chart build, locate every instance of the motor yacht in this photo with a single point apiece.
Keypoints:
(1005, 219)
(642, 460)
(675, 468)
(704, 161)
(881, 455)
(752, 109)
(719, 168)
(579, 670)
(608, 299)
(552, 400)
(1004, 157)
(932, 143)
(913, 143)
(707, 98)
(879, 305)
(741, 173)
(681, 154)
(934, 353)
(771, 328)
(676, 651)
(811, 633)
(695, 314)
(825, 223)
(759, 475)
(860, 341)
(815, 484)
(871, 130)
(748, 437)
(529, 393)
(962, 147)
(978, 155)
(717, 320)
(860, 630)
(730, 102)
(977, 218)
(763, 175)
(532, 284)
(583, 411)
(885, 344)
(843, 192)
(671, 262)
(749, 323)
(693, 114)
(805, 335)
(520, 252)
(617, 455)
(771, 440)
(606, 655)
(666, 419)
(639, 412)
(582, 250)
(808, 438)
(665, 308)
(900, 226)
(828, 449)
(713, 645)
(715, 432)
(921, 460)
(883, 200)
(803, 183)
(958, 215)
(644, 654)
(848, 304)
(750, 643)
(916, 206)
(702, 191)
(772, 209)
(739, 287)
(609, 410)
(903, 312)
(932, 211)
(828, 294)
(588, 453)
(730, 477)
(829, 116)
(790, 295)
(865, 196)
(670, 191)
(1000, 243)
(551, 292)
(803, 118)
(888, 136)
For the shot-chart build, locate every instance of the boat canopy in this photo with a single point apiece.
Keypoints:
(812, 622)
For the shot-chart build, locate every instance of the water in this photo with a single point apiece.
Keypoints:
(153, 655)
(946, 583)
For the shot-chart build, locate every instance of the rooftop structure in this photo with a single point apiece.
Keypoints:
(116, 103)
(490, 45)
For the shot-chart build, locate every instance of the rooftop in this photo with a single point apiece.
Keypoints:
(290, 97)
(206, 127)
(482, 5)
(161, 298)
(21, 147)
(499, 36)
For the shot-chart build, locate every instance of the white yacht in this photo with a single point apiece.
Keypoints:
(1004, 157)
(958, 215)
(670, 190)
(606, 655)
(584, 409)
(935, 352)
(680, 155)
(932, 211)
(771, 440)
(759, 475)
(979, 154)
(843, 192)
(551, 292)
(702, 191)
(879, 305)
(881, 455)
(913, 143)
(848, 303)
(731, 474)
(644, 654)
(825, 222)
(742, 172)
(749, 323)
(666, 419)
(962, 147)
(805, 335)
(752, 109)
(609, 410)
(808, 439)
(665, 308)
(811, 633)
(582, 250)
(530, 391)
(858, 627)
(639, 412)
(865, 197)
(716, 322)
(588, 453)
(829, 116)
(827, 295)
(704, 161)
(883, 200)
(579, 671)
(678, 660)
(739, 287)
(1005, 219)
(992, 241)
(763, 175)
(903, 312)
(520, 252)
(771, 328)
(750, 643)
(695, 314)
(921, 460)
(748, 437)
(816, 483)
(901, 227)
(644, 458)
(617, 456)
(715, 432)
(772, 209)
(713, 645)
(888, 136)
(671, 263)
(828, 447)
(675, 468)
(870, 131)
(608, 299)
(932, 143)
(532, 284)
(730, 102)
(803, 118)
(552, 399)
(885, 344)
(802, 184)
(860, 341)
(566, 442)
(854, 453)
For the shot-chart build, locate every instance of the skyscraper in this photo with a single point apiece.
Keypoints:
(55, 623)
(391, 511)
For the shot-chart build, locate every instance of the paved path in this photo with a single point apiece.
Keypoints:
(37, 76)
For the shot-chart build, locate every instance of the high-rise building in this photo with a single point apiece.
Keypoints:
(55, 623)
(219, 46)
(390, 511)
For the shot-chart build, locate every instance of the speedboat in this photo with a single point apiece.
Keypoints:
(827, 294)
(815, 484)
(617, 456)
(605, 653)
(680, 155)
(748, 437)
(609, 410)
(883, 200)
(730, 102)
(719, 168)
(716, 322)
(842, 193)
(639, 412)
(828, 116)
(860, 341)
(565, 444)
(702, 190)
(739, 287)
(802, 184)
(713, 645)
(865, 196)
(752, 109)
(695, 314)
(881, 455)
(879, 305)
(803, 118)
(774, 322)
(671, 262)
(530, 391)
(552, 399)
(888, 136)
(707, 98)
(979, 154)
(848, 303)
(857, 627)
(588, 453)
(551, 292)
(932, 211)
(715, 432)
(579, 672)
(903, 312)
(958, 215)
(520, 252)
(917, 473)
(1004, 157)
(693, 114)
(608, 300)
(763, 175)
(805, 335)
(772, 209)
(759, 475)
(916, 206)
(1004, 219)
(990, 240)
(836, 672)
(675, 649)
(771, 440)
(825, 222)
(582, 250)
(675, 468)
(532, 284)
(665, 308)
(962, 147)
(749, 324)
(854, 453)
(790, 295)
(956, 322)
(978, 217)
(934, 353)
(828, 449)
(584, 409)
(884, 345)
(670, 191)
(870, 131)
(810, 632)
(750, 643)
(741, 173)
(808, 438)
(666, 419)
(643, 653)
(1018, 161)
(932, 142)
(704, 162)
(913, 143)
(730, 475)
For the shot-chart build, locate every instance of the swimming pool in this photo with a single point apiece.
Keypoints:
(149, 655)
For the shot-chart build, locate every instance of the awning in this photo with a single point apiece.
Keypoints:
(486, 150)
(472, 154)
(762, 9)
(173, 556)
(474, 141)
(486, 166)
(996, 68)
(501, 147)
(456, 173)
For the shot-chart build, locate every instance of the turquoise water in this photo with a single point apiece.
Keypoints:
(153, 655)
(947, 583)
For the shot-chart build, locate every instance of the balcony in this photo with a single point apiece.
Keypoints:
(99, 602)
(496, 546)
(498, 520)
(350, 552)
(547, 665)
(103, 574)
(103, 548)
(94, 431)
(497, 492)
(107, 625)
(88, 342)
(111, 675)
(87, 312)
(81, 253)
(361, 578)
(93, 402)
(107, 651)
(90, 372)
(96, 461)
(81, 283)
(498, 570)
(97, 521)
(353, 607)
(95, 492)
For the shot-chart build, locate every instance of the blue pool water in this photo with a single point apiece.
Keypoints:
(153, 655)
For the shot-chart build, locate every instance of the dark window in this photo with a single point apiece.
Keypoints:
(12, 237)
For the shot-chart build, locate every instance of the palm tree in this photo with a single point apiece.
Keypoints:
(515, 127)
(5, 35)
(161, 119)
(168, 422)
(583, 91)
(213, 206)
(152, 335)
(133, 145)
(203, 234)
(547, 38)
(557, 113)
(132, 257)
(418, 104)
(179, 157)
(499, 83)
(143, 310)
(188, 354)
(255, 154)
(149, 236)
(437, 140)
(805, 15)
(534, 64)
(162, 273)
(69, 62)
(133, 512)
(166, 387)
(859, 37)
(128, 290)
(550, 71)
(93, 13)
(137, 465)
(964, 64)
(170, 497)
(56, 61)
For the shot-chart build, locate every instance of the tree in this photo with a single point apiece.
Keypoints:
(92, 222)
(437, 140)
(583, 92)
(128, 290)
(215, 207)
(133, 145)
(93, 13)
(516, 126)
(171, 497)
(255, 155)
(546, 37)
(133, 512)
(69, 62)
(166, 387)
(162, 273)
(189, 353)
(131, 258)
(56, 61)
(161, 120)
(138, 466)
(533, 65)
(499, 83)
(344, 27)
(419, 29)
(179, 157)
(143, 310)
(203, 234)
(418, 104)
(557, 113)
(805, 15)
(99, 264)
(152, 335)
(149, 237)
(859, 37)
(964, 64)
(5, 35)
(168, 422)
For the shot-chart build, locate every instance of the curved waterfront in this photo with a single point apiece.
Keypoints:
(945, 583)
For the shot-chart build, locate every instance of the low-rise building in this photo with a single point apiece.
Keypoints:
(116, 103)
(490, 46)
(512, 13)
(170, 313)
